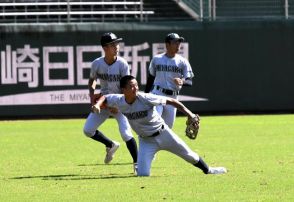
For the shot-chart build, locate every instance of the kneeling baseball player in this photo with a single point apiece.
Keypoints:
(154, 134)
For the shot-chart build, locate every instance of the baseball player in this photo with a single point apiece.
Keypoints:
(154, 134)
(109, 69)
(168, 73)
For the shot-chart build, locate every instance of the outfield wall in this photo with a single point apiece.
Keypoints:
(238, 66)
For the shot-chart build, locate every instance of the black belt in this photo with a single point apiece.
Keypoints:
(157, 132)
(166, 91)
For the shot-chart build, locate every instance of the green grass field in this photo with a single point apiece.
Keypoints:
(51, 160)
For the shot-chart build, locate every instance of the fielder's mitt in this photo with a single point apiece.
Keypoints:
(192, 126)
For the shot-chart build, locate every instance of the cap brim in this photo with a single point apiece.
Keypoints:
(117, 40)
(181, 39)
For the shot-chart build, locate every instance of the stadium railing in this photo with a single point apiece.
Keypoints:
(72, 11)
(193, 7)
(38, 11)
(237, 9)
(250, 9)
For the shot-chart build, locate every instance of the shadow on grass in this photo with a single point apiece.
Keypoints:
(80, 176)
(75, 177)
(103, 164)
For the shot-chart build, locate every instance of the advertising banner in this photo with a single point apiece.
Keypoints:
(50, 70)
(237, 68)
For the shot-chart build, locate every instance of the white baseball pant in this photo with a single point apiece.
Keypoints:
(94, 120)
(166, 140)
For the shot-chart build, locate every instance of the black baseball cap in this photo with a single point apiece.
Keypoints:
(108, 38)
(173, 37)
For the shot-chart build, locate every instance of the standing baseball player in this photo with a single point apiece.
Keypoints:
(168, 73)
(154, 134)
(109, 69)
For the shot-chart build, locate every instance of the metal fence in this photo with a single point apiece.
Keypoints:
(243, 9)
(36, 11)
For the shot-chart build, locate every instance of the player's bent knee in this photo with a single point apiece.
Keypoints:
(88, 133)
(126, 135)
(143, 174)
(126, 138)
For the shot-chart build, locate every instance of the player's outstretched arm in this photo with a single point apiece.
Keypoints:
(180, 106)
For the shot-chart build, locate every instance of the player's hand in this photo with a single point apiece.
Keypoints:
(96, 108)
(178, 81)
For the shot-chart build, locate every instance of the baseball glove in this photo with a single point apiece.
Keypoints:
(192, 126)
